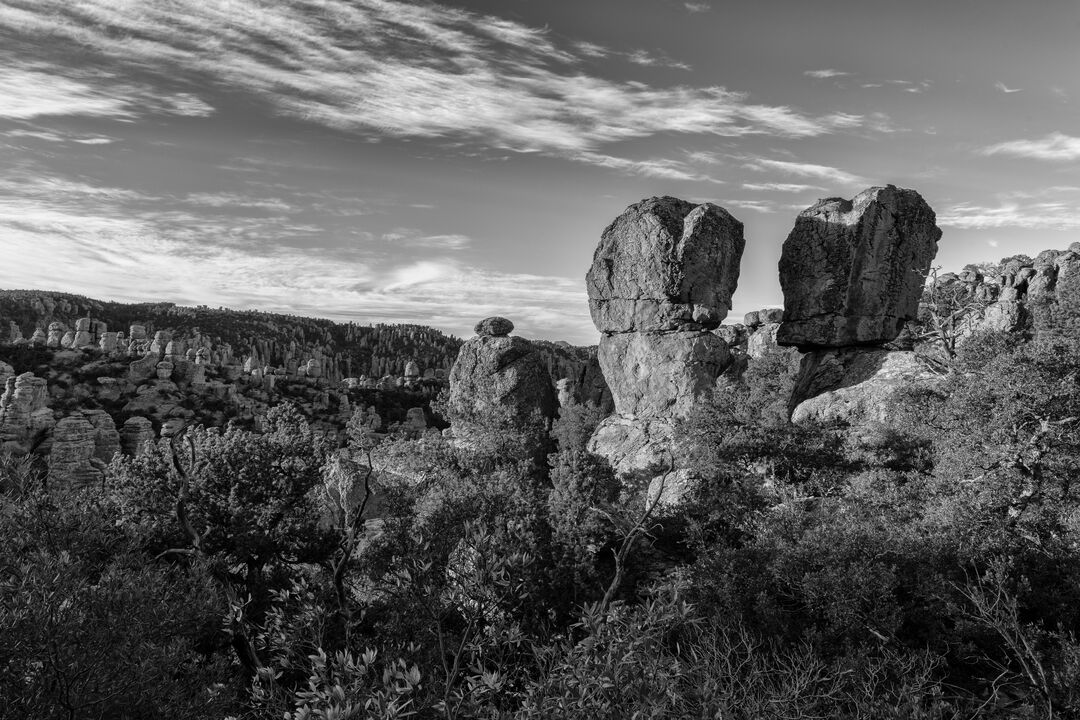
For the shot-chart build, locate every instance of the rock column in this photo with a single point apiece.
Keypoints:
(661, 279)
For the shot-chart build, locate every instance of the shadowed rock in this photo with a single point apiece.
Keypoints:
(852, 271)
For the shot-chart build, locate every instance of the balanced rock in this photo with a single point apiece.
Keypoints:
(494, 327)
(665, 264)
(852, 271)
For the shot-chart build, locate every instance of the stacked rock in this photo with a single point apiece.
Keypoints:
(852, 273)
(661, 279)
(56, 334)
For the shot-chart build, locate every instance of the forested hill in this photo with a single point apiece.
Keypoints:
(374, 350)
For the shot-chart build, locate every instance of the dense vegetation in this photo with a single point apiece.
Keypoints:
(925, 569)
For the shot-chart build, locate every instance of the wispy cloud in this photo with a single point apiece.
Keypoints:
(410, 237)
(1006, 89)
(826, 73)
(761, 206)
(809, 170)
(697, 7)
(384, 68)
(781, 187)
(1056, 146)
(1032, 215)
(58, 137)
(32, 91)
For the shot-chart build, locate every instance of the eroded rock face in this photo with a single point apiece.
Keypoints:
(665, 264)
(852, 271)
(653, 374)
(499, 380)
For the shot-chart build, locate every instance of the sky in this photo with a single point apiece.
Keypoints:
(440, 162)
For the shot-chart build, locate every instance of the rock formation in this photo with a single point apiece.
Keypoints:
(106, 438)
(498, 381)
(84, 336)
(664, 265)
(56, 334)
(661, 279)
(24, 416)
(852, 271)
(494, 327)
(137, 431)
(73, 448)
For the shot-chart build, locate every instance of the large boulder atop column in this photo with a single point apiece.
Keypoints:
(665, 264)
(852, 271)
(499, 381)
(661, 279)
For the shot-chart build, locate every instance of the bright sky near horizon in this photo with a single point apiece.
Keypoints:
(391, 161)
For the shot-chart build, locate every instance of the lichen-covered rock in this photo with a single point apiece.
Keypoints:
(494, 326)
(73, 447)
(852, 271)
(762, 340)
(665, 264)
(499, 381)
(653, 374)
(638, 448)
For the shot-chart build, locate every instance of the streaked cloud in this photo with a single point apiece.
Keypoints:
(826, 73)
(809, 170)
(409, 237)
(1056, 147)
(761, 206)
(386, 68)
(1005, 88)
(58, 137)
(697, 7)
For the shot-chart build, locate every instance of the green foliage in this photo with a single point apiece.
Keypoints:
(90, 628)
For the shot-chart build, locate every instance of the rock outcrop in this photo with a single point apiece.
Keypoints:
(662, 277)
(498, 381)
(852, 271)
